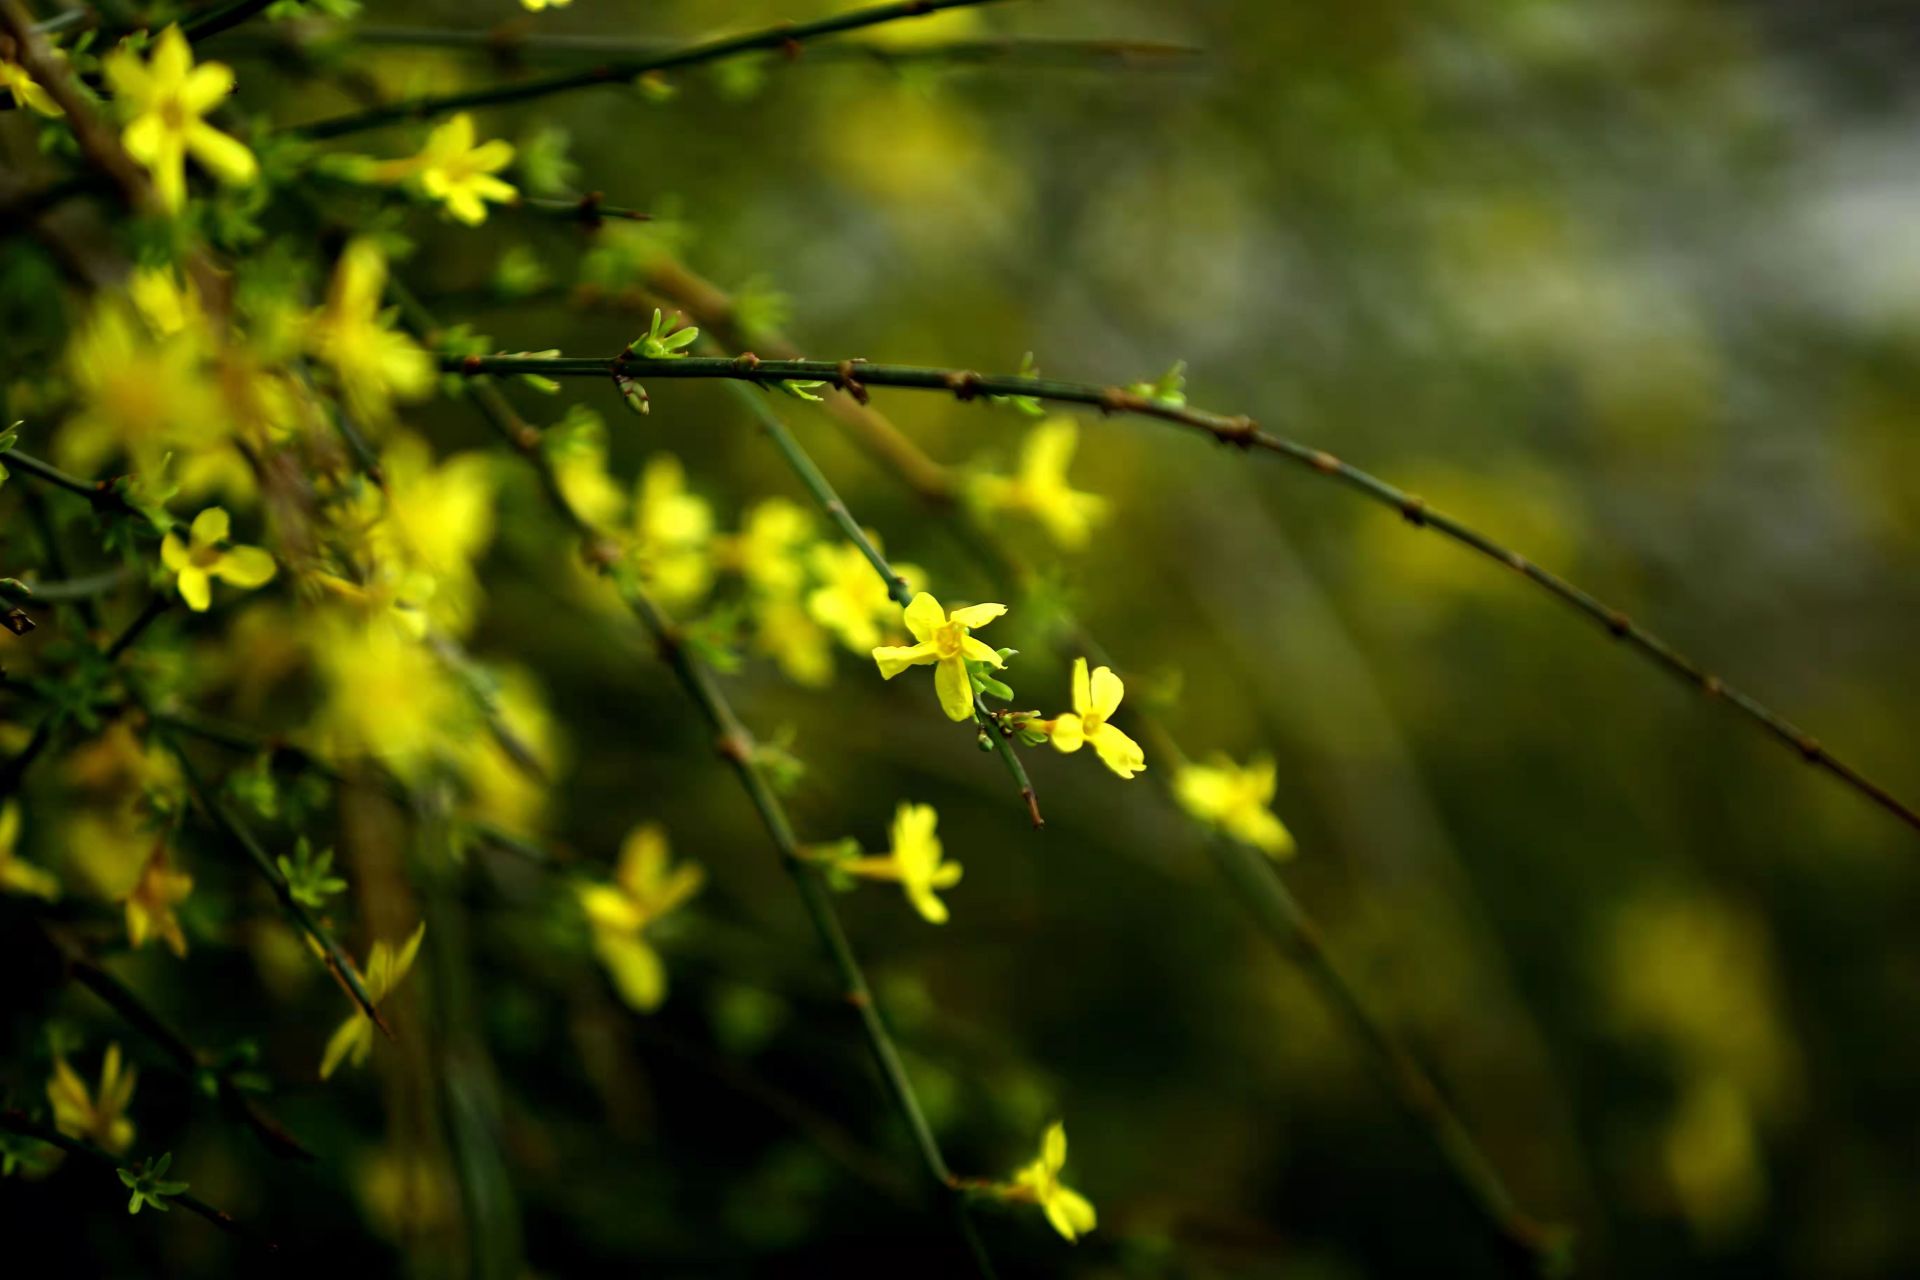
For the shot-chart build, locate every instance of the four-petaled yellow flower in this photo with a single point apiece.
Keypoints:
(17, 876)
(353, 334)
(644, 889)
(1095, 699)
(1070, 1212)
(914, 861)
(1235, 799)
(25, 91)
(99, 1117)
(206, 554)
(151, 901)
(942, 639)
(166, 99)
(452, 170)
(352, 1041)
(1039, 488)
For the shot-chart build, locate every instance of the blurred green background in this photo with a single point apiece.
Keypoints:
(1631, 286)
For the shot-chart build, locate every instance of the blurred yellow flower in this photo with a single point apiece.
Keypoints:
(436, 521)
(1070, 1213)
(1039, 488)
(645, 888)
(1235, 799)
(165, 100)
(943, 639)
(374, 364)
(137, 393)
(206, 554)
(788, 634)
(352, 1041)
(769, 549)
(673, 530)
(499, 788)
(99, 1117)
(25, 91)
(851, 601)
(387, 695)
(456, 172)
(151, 901)
(536, 6)
(16, 874)
(1096, 698)
(914, 861)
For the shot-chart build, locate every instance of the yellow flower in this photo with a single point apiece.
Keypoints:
(206, 554)
(374, 364)
(914, 861)
(535, 6)
(784, 631)
(644, 889)
(851, 600)
(352, 1041)
(1235, 799)
(438, 520)
(99, 1118)
(387, 695)
(1070, 1212)
(1039, 489)
(166, 99)
(673, 529)
(146, 396)
(943, 640)
(25, 91)
(452, 170)
(17, 876)
(151, 901)
(1094, 700)
(767, 551)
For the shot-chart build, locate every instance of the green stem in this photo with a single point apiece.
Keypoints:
(855, 376)
(214, 21)
(786, 35)
(19, 1122)
(515, 41)
(823, 493)
(736, 746)
(1275, 910)
(237, 833)
(118, 997)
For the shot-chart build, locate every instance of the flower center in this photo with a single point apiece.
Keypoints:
(207, 556)
(173, 114)
(947, 638)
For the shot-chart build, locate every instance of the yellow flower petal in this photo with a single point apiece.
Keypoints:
(955, 690)
(893, 659)
(923, 616)
(977, 615)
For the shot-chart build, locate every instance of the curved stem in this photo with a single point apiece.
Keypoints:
(855, 376)
(785, 36)
(735, 744)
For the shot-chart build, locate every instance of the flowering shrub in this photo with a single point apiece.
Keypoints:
(307, 574)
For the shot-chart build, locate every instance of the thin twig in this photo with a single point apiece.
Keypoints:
(855, 376)
(785, 36)
(15, 1121)
(823, 493)
(338, 962)
(735, 744)
(121, 999)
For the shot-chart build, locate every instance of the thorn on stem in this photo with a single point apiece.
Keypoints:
(1414, 510)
